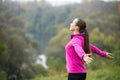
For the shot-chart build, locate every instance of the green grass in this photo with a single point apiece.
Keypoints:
(107, 73)
(53, 77)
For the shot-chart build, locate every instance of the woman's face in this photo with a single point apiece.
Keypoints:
(73, 26)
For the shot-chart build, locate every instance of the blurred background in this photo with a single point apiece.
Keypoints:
(33, 35)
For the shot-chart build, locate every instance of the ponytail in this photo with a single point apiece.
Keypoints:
(86, 42)
(82, 29)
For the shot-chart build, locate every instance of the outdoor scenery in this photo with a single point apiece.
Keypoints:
(33, 36)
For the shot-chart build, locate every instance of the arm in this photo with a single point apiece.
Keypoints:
(96, 50)
(80, 52)
(100, 52)
(78, 47)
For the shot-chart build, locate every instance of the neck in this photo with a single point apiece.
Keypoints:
(76, 32)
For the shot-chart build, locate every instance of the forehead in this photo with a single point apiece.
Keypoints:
(75, 20)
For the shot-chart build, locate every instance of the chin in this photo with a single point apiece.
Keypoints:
(70, 29)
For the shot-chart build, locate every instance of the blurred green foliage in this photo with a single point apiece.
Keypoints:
(28, 30)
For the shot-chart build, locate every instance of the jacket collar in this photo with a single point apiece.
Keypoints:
(73, 35)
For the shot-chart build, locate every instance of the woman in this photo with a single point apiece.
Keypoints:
(78, 51)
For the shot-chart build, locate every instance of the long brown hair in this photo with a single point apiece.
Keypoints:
(82, 29)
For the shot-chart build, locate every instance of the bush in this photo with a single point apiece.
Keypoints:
(2, 75)
(40, 70)
(56, 64)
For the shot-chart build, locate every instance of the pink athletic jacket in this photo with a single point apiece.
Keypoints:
(75, 52)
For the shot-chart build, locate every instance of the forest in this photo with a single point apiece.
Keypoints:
(30, 29)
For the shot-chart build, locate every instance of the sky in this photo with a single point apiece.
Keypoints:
(61, 2)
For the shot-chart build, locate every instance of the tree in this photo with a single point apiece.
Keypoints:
(57, 44)
(104, 42)
(16, 49)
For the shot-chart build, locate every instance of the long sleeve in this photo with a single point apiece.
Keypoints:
(78, 47)
(97, 50)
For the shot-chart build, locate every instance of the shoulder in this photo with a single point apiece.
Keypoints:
(76, 40)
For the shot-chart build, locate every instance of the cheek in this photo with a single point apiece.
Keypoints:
(72, 25)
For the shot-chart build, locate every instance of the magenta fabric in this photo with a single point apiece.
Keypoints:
(75, 52)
